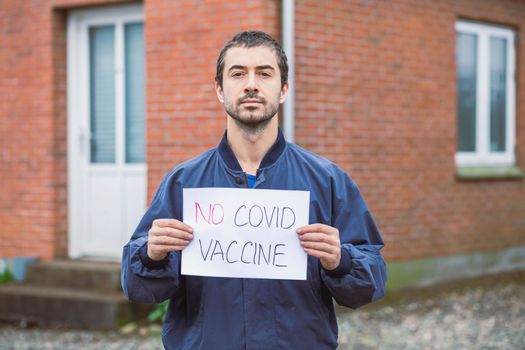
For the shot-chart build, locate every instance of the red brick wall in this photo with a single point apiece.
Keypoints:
(182, 42)
(376, 92)
(33, 128)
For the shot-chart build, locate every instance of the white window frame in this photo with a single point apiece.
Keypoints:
(483, 156)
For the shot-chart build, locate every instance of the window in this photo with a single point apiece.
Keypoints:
(104, 42)
(485, 62)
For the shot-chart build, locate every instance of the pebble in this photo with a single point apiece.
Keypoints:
(487, 317)
(491, 316)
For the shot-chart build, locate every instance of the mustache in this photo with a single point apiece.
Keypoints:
(252, 96)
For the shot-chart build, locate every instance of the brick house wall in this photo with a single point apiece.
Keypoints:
(375, 92)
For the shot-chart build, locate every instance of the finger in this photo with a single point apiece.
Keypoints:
(165, 249)
(171, 232)
(174, 223)
(316, 228)
(317, 237)
(166, 240)
(320, 254)
(321, 247)
(328, 261)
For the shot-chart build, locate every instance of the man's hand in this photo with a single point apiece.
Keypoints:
(322, 241)
(167, 235)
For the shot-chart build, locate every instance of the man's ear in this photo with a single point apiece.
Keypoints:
(218, 91)
(284, 92)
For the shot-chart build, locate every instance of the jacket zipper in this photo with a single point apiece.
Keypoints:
(246, 179)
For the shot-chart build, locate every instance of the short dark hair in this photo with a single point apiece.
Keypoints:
(254, 38)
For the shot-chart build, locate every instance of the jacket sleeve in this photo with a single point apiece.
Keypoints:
(360, 278)
(145, 280)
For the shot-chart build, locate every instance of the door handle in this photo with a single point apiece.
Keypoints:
(83, 138)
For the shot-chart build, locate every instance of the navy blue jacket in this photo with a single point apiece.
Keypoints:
(242, 313)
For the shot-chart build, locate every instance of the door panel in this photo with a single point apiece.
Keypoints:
(132, 210)
(104, 213)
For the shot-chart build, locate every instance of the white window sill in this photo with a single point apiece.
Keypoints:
(489, 173)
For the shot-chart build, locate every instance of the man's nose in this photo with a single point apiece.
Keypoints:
(251, 84)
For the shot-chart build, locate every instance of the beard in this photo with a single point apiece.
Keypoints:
(252, 119)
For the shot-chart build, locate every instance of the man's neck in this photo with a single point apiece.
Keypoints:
(250, 148)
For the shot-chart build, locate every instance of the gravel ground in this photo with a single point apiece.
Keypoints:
(482, 313)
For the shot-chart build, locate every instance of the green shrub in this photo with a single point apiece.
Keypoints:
(6, 277)
(158, 314)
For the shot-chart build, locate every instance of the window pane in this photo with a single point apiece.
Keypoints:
(134, 56)
(466, 61)
(102, 90)
(498, 92)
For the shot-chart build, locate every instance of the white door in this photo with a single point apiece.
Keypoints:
(106, 134)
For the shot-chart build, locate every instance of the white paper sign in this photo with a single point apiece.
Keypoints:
(248, 233)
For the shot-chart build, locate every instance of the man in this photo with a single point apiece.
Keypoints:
(342, 241)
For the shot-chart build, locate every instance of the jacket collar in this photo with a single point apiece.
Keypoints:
(269, 158)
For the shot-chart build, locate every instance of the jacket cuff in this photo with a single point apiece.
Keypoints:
(345, 265)
(150, 263)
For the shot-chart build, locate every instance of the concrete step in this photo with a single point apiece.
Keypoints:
(70, 308)
(75, 274)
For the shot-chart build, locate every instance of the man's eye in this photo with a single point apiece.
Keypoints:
(265, 74)
(237, 74)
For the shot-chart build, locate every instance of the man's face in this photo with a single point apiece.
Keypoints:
(251, 86)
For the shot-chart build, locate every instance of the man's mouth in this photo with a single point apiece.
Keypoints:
(251, 101)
